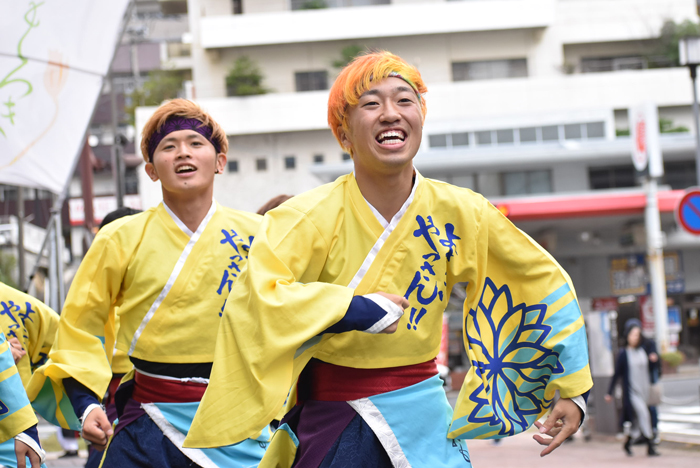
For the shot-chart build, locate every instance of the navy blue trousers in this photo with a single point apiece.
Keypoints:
(357, 447)
(142, 444)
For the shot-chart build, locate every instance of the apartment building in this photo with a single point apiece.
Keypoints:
(527, 104)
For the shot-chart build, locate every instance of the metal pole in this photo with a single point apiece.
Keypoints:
(696, 114)
(655, 254)
(53, 274)
(20, 238)
(60, 247)
(117, 162)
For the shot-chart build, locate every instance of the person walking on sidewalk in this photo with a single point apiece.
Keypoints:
(633, 368)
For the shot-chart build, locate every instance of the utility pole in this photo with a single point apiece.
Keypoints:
(20, 239)
(689, 55)
(648, 161)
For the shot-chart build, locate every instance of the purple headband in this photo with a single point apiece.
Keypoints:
(175, 123)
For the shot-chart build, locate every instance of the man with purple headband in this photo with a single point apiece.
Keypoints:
(167, 272)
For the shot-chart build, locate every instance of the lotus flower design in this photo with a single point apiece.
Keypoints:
(512, 362)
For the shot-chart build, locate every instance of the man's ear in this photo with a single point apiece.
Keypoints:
(151, 171)
(220, 163)
(344, 140)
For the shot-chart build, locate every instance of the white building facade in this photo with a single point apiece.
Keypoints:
(525, 104)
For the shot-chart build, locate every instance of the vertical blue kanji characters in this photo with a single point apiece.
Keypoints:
(425, 283)
(229, 275)
(9, 308)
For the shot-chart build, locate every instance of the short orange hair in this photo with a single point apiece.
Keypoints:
(186, 109)
(358, 76)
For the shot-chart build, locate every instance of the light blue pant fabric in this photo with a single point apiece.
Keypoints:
(244, 454)
(420, 416)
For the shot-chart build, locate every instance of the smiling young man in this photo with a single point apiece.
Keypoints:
(333, 267)
(167, 273)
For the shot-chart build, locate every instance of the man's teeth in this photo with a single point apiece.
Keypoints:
(185, 169)
(391, 137)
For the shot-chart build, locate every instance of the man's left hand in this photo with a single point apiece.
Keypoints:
(561, 424)
(24, 451)
(16, 348)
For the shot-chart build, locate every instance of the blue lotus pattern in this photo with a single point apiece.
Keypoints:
(512, 361)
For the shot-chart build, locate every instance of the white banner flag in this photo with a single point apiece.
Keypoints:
(53, 57)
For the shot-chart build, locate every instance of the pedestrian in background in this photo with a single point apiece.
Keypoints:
(634, 367)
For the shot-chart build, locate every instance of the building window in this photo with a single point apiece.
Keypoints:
(572, 132)
(527, 182)
(483, 138)
(437, 141)
(595, 130)
(290, 162)
(518, 136)
(237, 7)
(489, 69)
(311, 81)
(233, 166)
(179, 49)
(261, 164)
(527, 135)
(504, 137)
(679, 174)
(318, 159)
(607, 64)
(346, 157)
(611, 177)
(550, 133)
(460, 139)
(317, 4)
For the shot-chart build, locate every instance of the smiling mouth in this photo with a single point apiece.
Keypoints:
(391, 137)
(185, 169)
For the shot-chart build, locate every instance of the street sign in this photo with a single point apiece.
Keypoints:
(688, 211)
(644, 130)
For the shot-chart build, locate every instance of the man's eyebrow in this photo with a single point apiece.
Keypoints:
(370, 92)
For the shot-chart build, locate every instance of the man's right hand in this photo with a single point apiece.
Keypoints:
(97, 429)
(399, 301)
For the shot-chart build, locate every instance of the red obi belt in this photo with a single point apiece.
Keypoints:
(149, 389)
(322, 381)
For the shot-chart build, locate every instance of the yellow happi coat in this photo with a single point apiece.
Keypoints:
(16, 414)
(168, 287)
(32, 322)
(523, 331)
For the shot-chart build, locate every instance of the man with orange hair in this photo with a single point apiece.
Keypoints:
(167, 273)
(333, 269)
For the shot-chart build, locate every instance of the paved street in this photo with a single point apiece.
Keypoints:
(523, 452)
(679, 413)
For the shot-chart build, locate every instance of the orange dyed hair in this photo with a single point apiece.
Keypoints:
(181, 108)
(358, 77)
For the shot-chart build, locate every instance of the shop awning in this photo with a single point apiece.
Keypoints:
(584, 205)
